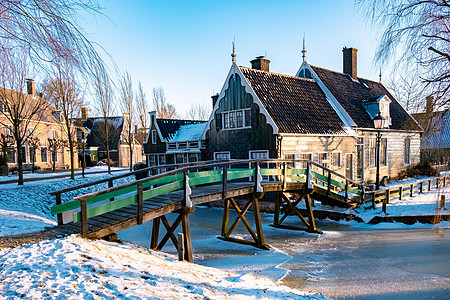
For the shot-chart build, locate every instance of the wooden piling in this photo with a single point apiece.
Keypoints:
(180, 246)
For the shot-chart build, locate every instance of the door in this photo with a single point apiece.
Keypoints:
(349, 165)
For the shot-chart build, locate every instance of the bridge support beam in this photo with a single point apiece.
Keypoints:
(258, 237)
(182, 218)
(287, 207)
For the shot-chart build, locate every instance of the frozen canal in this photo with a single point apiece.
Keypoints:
(346, 262)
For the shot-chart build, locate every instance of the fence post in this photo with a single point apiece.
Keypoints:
(429, 185)
(59, 216)
(224, 182)
(140, 200)
(388, 196)
(284, 175)
(329, 184)
(373, 200)
(384, 206)
(258, 179)
(442, 206)
(412, 190)
(180, 246)
(363, 193)
(346, 190)
(187, 191)
(400, 192)
(110, 185)
(421, 187)
(84, 219)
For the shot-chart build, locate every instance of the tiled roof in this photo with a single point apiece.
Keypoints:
(169, 127)
(296, 105)
(190, 132)
(436, 129)
(350, 93)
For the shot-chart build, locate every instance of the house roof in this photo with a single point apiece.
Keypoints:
(350, 94)
(436, 129)
(169, 127)
(296, 105)
(44, 110)
(95, 126)
(190, 132)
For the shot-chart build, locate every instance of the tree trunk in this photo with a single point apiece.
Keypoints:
(131, 158)
(32, 157)
(54, 159)
(19, 161)
(107, 145)
(72, 170)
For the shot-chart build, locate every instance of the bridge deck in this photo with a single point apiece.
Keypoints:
(126, 217)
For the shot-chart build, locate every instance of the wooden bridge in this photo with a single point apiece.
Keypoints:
(105, 212)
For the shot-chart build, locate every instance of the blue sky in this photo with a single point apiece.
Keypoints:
(185, 46)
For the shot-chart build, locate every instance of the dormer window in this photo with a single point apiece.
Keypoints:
(377, 105)
(236, 119)
(305, 73)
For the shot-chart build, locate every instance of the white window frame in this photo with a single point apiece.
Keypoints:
(352, 165)
(339, 165)
(52, 134)
(327, 164)
(311, 157)
(226, 124)
(407, 156)
(222, 152)
(153, 136)
(265, 177)
(295, 157)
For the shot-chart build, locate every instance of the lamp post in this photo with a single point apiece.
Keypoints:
(83, 165)
(378, 123)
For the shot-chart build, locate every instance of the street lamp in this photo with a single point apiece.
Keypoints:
(83, 142)
(378, 123)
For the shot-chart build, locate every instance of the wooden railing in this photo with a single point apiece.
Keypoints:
(195, 175)
(387, 195)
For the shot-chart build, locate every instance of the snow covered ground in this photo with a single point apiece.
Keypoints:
(76, 268)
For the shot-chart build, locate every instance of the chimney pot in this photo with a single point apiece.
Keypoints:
(31, 87)
(84, 113)
(214, 99)
(350, 62)
(430, 105)
(260, 63)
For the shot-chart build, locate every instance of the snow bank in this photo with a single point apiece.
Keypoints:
(76, 268)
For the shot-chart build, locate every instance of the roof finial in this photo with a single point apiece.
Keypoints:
(380, 75)
(304, 49)
(233, 55)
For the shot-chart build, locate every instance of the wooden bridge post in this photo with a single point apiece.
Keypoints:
(181, 251)
(373, 200)
(186, 211)
(312, 223)
(258, 223)
(110, 185)
(346, 190)
(329, 184)
(284, 175)
(140, 202)
(363, 193)
(155, 233)
(421, 187)
(224, 182)
(429, 185)
(84, 219)
(59, 216)
(388, 196)
(276, 215)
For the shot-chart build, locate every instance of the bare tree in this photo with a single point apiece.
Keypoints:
(62, 92)
(34, 143)
(415, 33)
(409, 90)
(143, 109)
(199, 111)
(21, 111)
(128, 110)
(54, 144)
(164, 110)
(104, 99)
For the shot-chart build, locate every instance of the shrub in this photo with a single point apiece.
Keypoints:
(3, 160)
(425, 169)
(140, 166)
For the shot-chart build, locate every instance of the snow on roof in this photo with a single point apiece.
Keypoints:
(191, 132)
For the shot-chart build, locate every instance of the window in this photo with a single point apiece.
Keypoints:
(151, 160)
(51, 134)
(171, 146)
(193, 157)
(305, 156)
(261, 154)
(222, 155)
(179, 158)
(226, 121)
(1, 105)
(153, 136)
(237, 119)
(336, 160)
(162, 159)
(9, 131)
(32, 154)
(232, 119)
(31, 131)
(323, 159)
(407, 158)
(360, 158)
(305, 73)
(11, 153)
(290, 156)
(44, 154)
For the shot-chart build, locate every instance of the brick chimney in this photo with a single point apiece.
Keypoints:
(214, 99)
(350, 66)
(430, 105)
(260, 63)
(31, 87)
(84, 113)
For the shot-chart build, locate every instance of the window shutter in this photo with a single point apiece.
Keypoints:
(218, 120)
